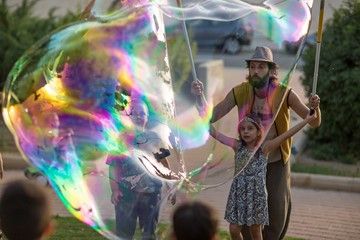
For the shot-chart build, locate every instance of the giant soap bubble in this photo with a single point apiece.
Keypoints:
(69, 102)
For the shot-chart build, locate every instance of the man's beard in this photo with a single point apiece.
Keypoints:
(258, 82)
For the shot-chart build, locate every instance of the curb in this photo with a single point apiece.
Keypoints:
(318, 181)
(14, 161)
(325, 182)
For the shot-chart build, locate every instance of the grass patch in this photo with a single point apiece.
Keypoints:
(324, 170)
(307, 163)
(70, 228)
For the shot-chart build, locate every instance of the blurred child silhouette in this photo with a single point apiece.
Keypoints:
(194, 220)
(25, 211)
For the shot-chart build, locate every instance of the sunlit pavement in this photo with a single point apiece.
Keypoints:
(317, 214)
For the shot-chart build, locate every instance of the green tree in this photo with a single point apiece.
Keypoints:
(179, 57)
(20, 29)
(338, 137)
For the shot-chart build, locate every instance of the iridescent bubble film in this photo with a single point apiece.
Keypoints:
(103, 107)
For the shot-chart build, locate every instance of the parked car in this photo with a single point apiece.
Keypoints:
(228, 37)
(293, 47)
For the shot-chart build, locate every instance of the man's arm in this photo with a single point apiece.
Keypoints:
(302, 110)
(221, 109)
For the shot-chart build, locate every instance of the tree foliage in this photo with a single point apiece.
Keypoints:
(338, 137)
(20, 29)
(179, 57)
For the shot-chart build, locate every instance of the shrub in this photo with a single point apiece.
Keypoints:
(178, 56)
(19, 30)
(338, 137)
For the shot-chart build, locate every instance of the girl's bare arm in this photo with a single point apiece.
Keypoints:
(270, 145)
(228, 141)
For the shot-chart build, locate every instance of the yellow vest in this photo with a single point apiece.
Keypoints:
(244, 97)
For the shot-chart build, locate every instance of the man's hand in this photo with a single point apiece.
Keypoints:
(314, 101)
(116, 196)
(197, 88)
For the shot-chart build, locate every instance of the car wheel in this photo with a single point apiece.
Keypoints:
(231, 46)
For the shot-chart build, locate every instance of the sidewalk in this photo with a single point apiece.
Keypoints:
(316, 214)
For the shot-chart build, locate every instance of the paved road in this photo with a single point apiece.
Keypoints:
(283, 59)
(317, 215)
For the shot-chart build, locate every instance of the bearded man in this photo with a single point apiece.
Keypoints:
(262, 94)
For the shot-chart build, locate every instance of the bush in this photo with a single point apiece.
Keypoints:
(178, 57)
(338, 137)
(19, 30)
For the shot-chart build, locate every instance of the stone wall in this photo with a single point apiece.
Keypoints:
(211, 73)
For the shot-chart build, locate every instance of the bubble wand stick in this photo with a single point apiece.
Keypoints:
(318, 46)
(199, 99)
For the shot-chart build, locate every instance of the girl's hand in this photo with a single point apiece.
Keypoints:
(309, 117)
(116, 196)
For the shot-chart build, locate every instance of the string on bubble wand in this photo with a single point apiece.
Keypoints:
(318, 47)
(199, 99)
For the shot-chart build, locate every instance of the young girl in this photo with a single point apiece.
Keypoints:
(247, 201)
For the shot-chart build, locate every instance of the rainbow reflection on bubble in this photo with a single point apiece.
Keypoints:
(68, 99)
(288, 20)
